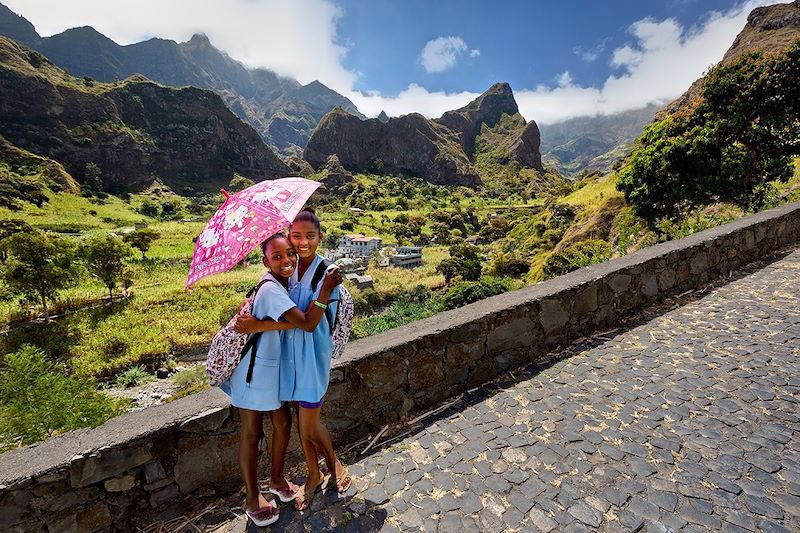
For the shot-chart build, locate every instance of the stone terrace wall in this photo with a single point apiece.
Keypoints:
(157, 463)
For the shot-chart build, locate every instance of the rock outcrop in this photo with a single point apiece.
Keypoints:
(441, 151)
(410, 145)
(133, 130)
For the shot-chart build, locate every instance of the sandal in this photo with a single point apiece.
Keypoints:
(303, 500)
(287, 493)
(263, 522)
(343, 484)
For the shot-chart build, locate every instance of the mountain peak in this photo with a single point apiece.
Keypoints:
(383, 117)
(18, 28)
(199, 39)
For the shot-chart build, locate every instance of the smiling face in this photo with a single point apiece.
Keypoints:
(305, 238)
(280, 258)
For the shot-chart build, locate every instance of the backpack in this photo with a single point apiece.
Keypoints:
(228, 347)
(341, 323)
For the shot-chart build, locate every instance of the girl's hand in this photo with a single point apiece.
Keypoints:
(332, 279)
(247, 324)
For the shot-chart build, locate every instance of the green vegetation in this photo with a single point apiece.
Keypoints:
(106, 258)
(132, 377)
(38, 267)
(141, 239)
(466, 292)
(581, 254)
(38, 399)
(741, 136)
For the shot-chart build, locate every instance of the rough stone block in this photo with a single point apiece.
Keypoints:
(84, 521)
(425, 370)
(206, 459)
(14, 507)
(154, 472)
(553, 315)
(163, 496)
(515, 333)
(87, 470)
(120, 484)
(698, 263)
(619, 283)
(464, 353)
(387, 372)
(666, 280)
(585, 301)
(207, 421)
(649, 285)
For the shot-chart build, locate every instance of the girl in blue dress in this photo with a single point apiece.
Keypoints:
(278, 312)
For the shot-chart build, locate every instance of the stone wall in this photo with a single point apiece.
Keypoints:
(155, 464)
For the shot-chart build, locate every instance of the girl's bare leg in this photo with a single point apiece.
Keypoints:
(249, 435)
(281, 428)
(312, 426)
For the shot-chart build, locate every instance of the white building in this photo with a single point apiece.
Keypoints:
(407, 257)
(358, 245)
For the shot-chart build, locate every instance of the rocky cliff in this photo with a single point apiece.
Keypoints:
(283, 111)
(443, 151)
(769, 29)
(410, 145)
(133, 130)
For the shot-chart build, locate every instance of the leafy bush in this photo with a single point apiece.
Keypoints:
(398, 314)
(191, 377)
(578, 255)
(466, 292)
(506, 265)
(38, 399)
(133, 377)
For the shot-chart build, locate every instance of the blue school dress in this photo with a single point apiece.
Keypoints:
(261, 394)
(306, 357)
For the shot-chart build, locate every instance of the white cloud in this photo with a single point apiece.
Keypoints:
(590, 55)
(658, 67)
(299, 38)
(441, 54)
(296, 38)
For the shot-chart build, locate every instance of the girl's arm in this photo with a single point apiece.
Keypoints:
(308, 321)
(294, 318)
(250, 324)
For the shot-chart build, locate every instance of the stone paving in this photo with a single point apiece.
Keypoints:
(687, 422)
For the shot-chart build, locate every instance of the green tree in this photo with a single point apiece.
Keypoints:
(38, 267)
(106, 258)
(239, 183)
(141, 239)
(466, 292)
(740, 136)
(464, 262)
(149, 208)
(9, 227)
(38, 399)
(92, 180)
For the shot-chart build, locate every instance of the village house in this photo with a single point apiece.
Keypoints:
(356, 245)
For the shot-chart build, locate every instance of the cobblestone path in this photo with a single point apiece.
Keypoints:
(688, 422)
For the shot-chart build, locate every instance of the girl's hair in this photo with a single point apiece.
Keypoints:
(307, 214)
(268, 240)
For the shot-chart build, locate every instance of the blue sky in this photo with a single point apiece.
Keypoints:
(562, 58)
(523, 42)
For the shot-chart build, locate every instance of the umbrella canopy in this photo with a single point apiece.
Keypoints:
(246, 219)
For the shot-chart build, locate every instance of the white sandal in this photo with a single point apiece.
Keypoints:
(253, 515)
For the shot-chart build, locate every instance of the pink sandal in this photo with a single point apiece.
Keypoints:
(263, 522)
(287, 493)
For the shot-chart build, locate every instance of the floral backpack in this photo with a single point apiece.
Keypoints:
(341, 323)
(228, 347)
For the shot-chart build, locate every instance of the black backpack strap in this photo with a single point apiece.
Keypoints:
(252, 340)
(319, 273)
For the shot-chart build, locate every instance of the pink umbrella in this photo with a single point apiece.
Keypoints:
(244, 220)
